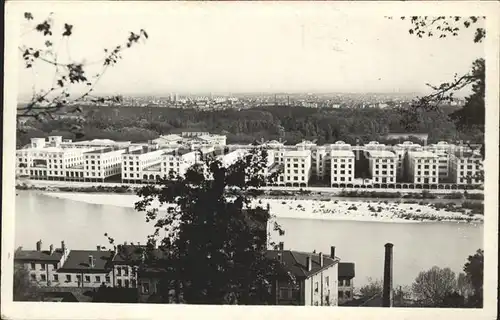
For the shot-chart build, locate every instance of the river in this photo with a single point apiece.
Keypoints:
(417, 246)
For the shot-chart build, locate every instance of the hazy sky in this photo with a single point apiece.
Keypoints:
(224, 50)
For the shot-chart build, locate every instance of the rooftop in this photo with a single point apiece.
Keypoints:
(78, 260)
(295, 262)
(381, 154)
(178, 152)
(34, 255)
(141, 150)
(103, 150)
(342, 153)
(346, 270)
(423, 154)
(467, 154)
(297, 153)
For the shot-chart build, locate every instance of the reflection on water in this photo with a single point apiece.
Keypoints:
(417, 246)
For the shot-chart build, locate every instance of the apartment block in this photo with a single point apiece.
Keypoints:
(320, 163)
(382, 166)
(103, 163)
(401, 150)
(465, 167)
(423, 167)
(342, 167)
(178, 161)
(141, 163)
(297, 167)
(50, 161)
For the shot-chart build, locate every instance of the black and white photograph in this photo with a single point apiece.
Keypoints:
(334, 155)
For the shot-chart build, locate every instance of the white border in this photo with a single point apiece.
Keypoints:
(18, 310)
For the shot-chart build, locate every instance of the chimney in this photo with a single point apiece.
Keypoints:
(387, 289)
(98, 248)
(63, 247)
(308, 263)
(332, 252)
(321, 259)
(91, 261)
(51, 249)
(39, 245)
(281, 246)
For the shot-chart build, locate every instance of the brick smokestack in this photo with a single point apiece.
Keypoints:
(387, 289)
(332, 252)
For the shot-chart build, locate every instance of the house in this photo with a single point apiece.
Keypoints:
(316, 277)
(346, 285)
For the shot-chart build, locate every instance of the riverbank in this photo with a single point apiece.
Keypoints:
(326, 209)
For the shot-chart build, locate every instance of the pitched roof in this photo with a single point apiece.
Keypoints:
(78, 260)
(33, 255)
(346, 270)
(295, 262)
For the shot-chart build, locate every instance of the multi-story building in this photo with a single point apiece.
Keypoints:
(316, 277)
(178, 161)
(320, 164)
(62, 267)
(137, 159)
(423, 167)
(297, 167)
(102, 164)
(382, 166)
(342, 167)
(466, 167)
(401, 150)
(346, 281)
(95, 144)
(50, 161)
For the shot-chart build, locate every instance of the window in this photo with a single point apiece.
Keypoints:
(54, 266)
(108, 279)
(87, 278)
(145, 287)
(33, 266)
(125, 271)
(119, 271)
(119, 282)
(327, 281)
(42, 266)
(97, 279)
(341, 294)
(56, 278)
(348, 294)
(68, 278)
(33, 277)
(347, 282)
(127, 283)
(316, 287)
(43, 277)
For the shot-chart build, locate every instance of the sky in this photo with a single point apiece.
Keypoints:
(200, 50)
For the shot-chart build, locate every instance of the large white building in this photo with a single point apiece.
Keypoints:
(297, 167)
(423, 167)
(137, 159)
(342, 167)
(466, 167)
(382, 166)
(50, 161)
(401, 150)
(178, 161)
(102, 164)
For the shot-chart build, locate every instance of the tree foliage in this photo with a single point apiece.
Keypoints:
(23, 288)
(215, 244)
(474, 270)
(432, 286)
(72, 82)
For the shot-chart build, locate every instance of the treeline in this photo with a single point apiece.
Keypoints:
(291, 124)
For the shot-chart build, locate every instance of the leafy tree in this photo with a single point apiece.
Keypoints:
(432, 286)
(215, 244)
(474, 270)
(24, 289)
(72, 83)
(373, 288)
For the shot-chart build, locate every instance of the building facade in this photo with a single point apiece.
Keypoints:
(342, 167)
(423, 167)
(346, 282)
(466, 167)
(382, 166)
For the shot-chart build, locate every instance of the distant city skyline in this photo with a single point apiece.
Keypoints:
(190, 51)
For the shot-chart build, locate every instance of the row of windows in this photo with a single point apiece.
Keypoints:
(69, 278)
(348, 172)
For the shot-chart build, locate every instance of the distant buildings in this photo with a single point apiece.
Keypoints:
(404, 165)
